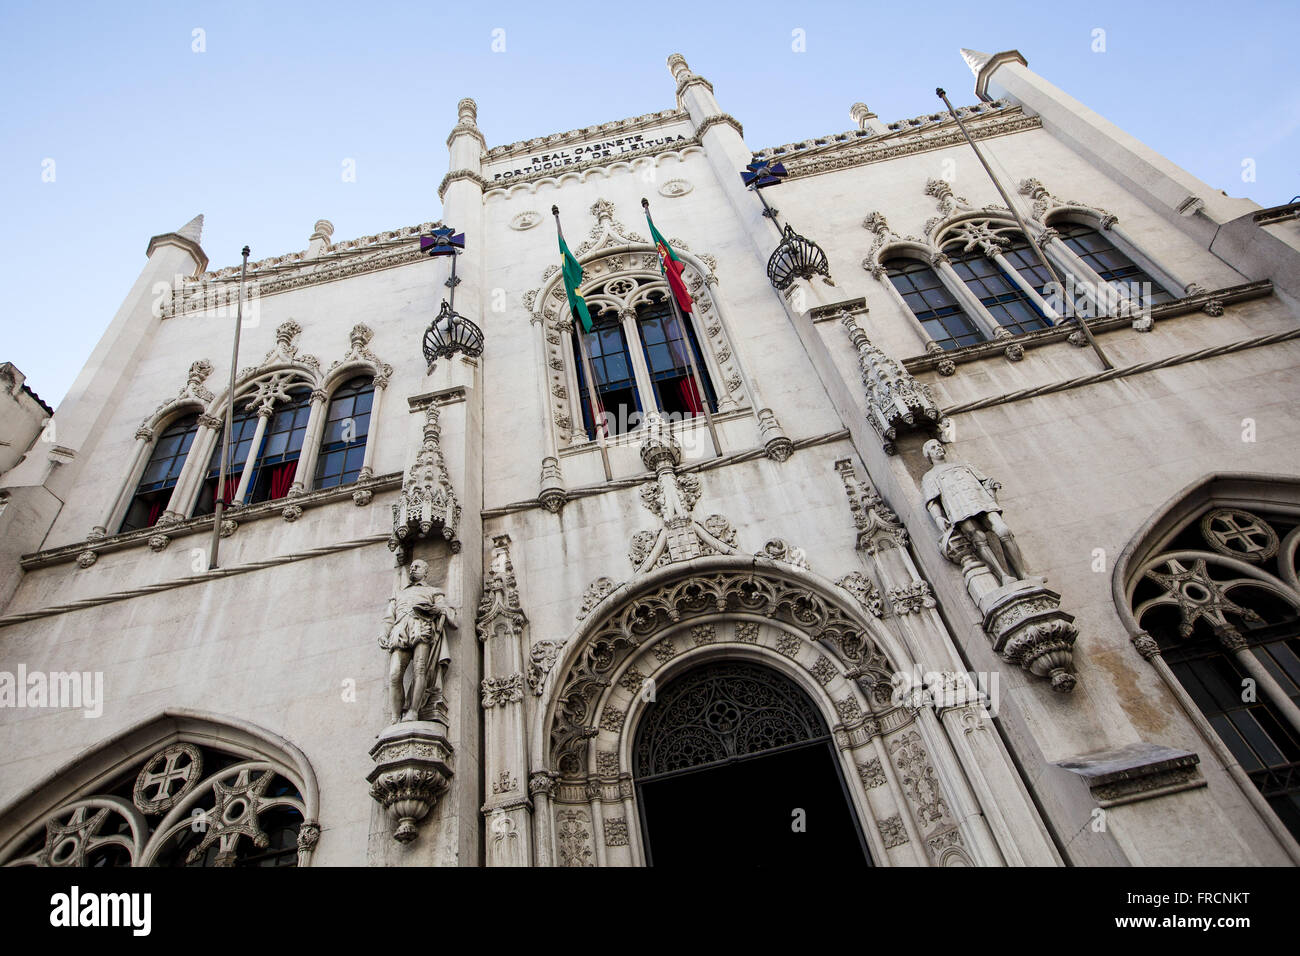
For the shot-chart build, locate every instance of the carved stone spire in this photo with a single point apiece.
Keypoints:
(428, 503)
(896, 402)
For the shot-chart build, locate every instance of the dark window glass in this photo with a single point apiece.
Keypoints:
(160, 474)
(932, 304)
(1108, 262)
(277, 460)
(242, 429)
(1010, 307)
(612, 367)
(343, 441)
(665, 342)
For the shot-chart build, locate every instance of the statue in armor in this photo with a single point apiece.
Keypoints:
(961, 500)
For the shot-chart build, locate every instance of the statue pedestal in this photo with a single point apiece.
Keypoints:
(1027, 626)
(413, 768)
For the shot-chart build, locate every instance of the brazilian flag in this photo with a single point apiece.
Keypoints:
(572, 270)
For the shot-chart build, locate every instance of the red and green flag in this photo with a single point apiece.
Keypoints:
(572, 270)
(670, 265)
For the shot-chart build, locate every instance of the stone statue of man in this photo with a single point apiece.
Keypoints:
(415, 636)
(962, 499)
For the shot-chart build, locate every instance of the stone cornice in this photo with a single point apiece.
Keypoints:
(456, 176)
(466, 129)
(920, 134)
(1030, 340)
(203, 523)
(692, 79)
(718, 118)
(986, 71)
(525, 146)
(189, 245)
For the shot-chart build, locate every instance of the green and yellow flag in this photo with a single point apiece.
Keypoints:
(572, 270)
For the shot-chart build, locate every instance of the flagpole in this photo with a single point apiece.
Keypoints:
(1042, 256)
(230, 414)
(593, 397)
(690, 350)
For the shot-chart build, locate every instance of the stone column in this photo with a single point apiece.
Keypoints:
(263, 416)
(376, 407)
(305, 473)
(1023, 284)
(502, 631)
(182, 503)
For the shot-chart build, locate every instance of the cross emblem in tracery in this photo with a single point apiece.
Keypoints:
(1240, 534)
(169, 775)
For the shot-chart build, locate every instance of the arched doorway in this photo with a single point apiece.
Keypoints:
(734, 764)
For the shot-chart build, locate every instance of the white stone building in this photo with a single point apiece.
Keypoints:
(936, 582)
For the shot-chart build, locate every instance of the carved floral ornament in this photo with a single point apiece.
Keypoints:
(620, 272)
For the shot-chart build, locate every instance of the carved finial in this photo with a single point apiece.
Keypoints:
(467, 112)
(323, 230)
(678, 67)
(603, 210)
(659, 448)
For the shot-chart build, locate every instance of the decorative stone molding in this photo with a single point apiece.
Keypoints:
(428, 503)
(776, 444)
(1045, 204)
(616, 832)
(413, 768)
(778, 549)
(526, 220)
(718, 119)
(896, 402)
(157, 543)
(595, 593)
(291, 513)
(673, 188)
(362, 497)
(909, 599)
(892, 831)
(86, 558)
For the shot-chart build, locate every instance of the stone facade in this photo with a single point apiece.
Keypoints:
(948, 551)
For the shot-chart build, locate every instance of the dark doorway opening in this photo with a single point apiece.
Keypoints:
(735, 767)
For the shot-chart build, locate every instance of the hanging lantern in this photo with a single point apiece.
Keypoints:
(795, 258)
(450, 333)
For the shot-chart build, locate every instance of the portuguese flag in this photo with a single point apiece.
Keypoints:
(670, 265)
(572, 270)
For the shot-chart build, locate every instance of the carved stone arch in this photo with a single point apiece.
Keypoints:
(971, 226)
(706, 587)
(192, 397)
(358, 359)
(169, 784)
(720, 609)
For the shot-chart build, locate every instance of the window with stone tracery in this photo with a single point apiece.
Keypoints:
(347, 425)
(160, 474)
(939, 313)
(185, 805)
(1222, 603)
(640, 349)
(1114, 267)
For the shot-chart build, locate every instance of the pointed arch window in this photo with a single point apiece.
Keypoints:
(347, 425)
(934, 306)
(665, 340)
(1222, 606)
(160, 474)
(611, 364)
(1006, 303)
(1113, 266)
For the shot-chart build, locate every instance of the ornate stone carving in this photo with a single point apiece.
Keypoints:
(541, 658)
(158, 543)
(747, 631)
(166, 777)
(573, 838)
(594, 594)
(362, 497)
(776, 444)
(499, 611)
(863, 590)
(918, 779)
(552, 495)
(877, 525)
(498, 691)
(415, 638)
(86, 558)
(616, 832)
(428, 502)
(291, 513)
(778, 549)
(824, 671)
(896, 402)
(413, 768)
(788, 645)
(911, 598)
(871, 773)
(892, 831)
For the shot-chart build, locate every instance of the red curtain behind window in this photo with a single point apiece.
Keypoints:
(232, 485)
(690, 395)
(154, 510)
(282, 478)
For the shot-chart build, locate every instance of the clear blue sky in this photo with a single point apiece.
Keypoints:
(146, 133)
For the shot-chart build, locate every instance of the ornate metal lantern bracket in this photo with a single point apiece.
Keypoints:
(795, 258)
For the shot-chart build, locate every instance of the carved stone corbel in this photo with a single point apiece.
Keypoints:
(428, 503)
(896, 402)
